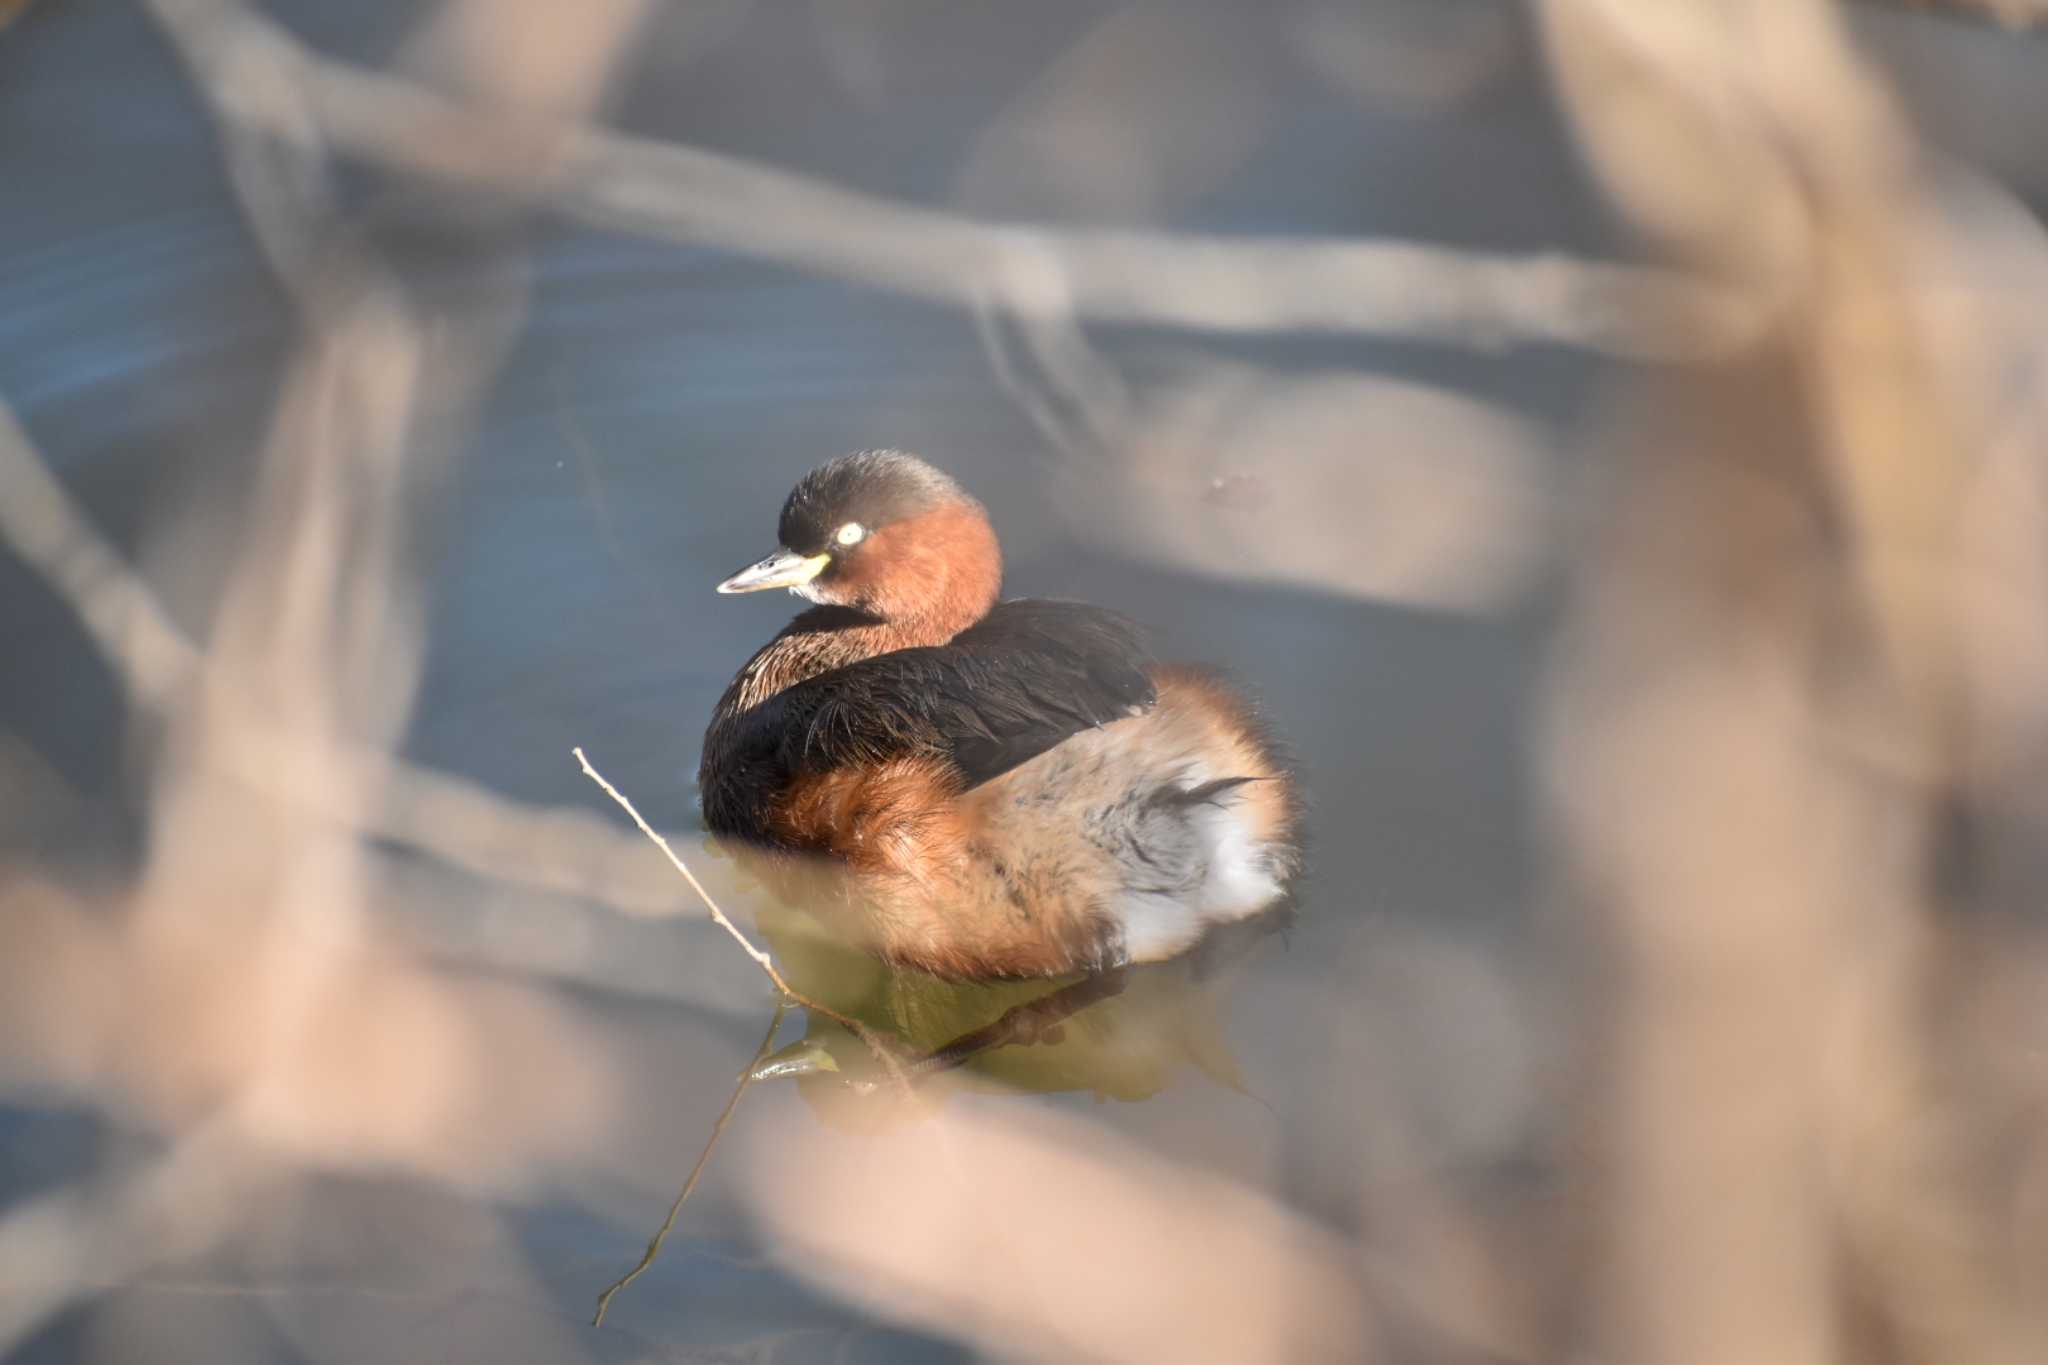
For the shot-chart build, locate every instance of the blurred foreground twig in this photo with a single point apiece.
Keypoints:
(1768, 698)
(556, 851)
(1229, 284)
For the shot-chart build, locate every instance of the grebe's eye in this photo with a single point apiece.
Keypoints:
(851, 534)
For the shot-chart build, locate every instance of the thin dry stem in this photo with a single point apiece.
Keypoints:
(765, 962)
(604, 1300)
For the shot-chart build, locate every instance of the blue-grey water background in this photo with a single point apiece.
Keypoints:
(633, 449)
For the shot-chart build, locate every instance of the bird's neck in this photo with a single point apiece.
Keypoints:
(820, 640)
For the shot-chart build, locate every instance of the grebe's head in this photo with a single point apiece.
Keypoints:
(886, 534)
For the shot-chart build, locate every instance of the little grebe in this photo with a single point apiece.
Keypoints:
(1012, 788)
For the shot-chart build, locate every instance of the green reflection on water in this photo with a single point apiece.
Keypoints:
(1164, 1023)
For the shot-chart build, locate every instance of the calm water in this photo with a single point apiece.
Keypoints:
(634, 449)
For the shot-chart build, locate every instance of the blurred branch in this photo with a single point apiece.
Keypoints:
(40, 522)
(1769, 709)
(2013, 14)
(61, 1246)
(1228, 284)
(561, 851)
(239, 997)
(284, 192)
(1059, 1239)
(1222, 284)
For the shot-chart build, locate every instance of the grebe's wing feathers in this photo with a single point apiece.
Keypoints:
(1053, 669)
(1027, 676)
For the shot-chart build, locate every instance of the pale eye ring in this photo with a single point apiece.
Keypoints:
(850, 534)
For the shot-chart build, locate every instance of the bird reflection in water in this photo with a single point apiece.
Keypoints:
(1125, 1032)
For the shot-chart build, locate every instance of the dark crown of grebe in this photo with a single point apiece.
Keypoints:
(885, 534)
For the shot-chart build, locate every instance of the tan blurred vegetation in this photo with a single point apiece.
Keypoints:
(1804, 653)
